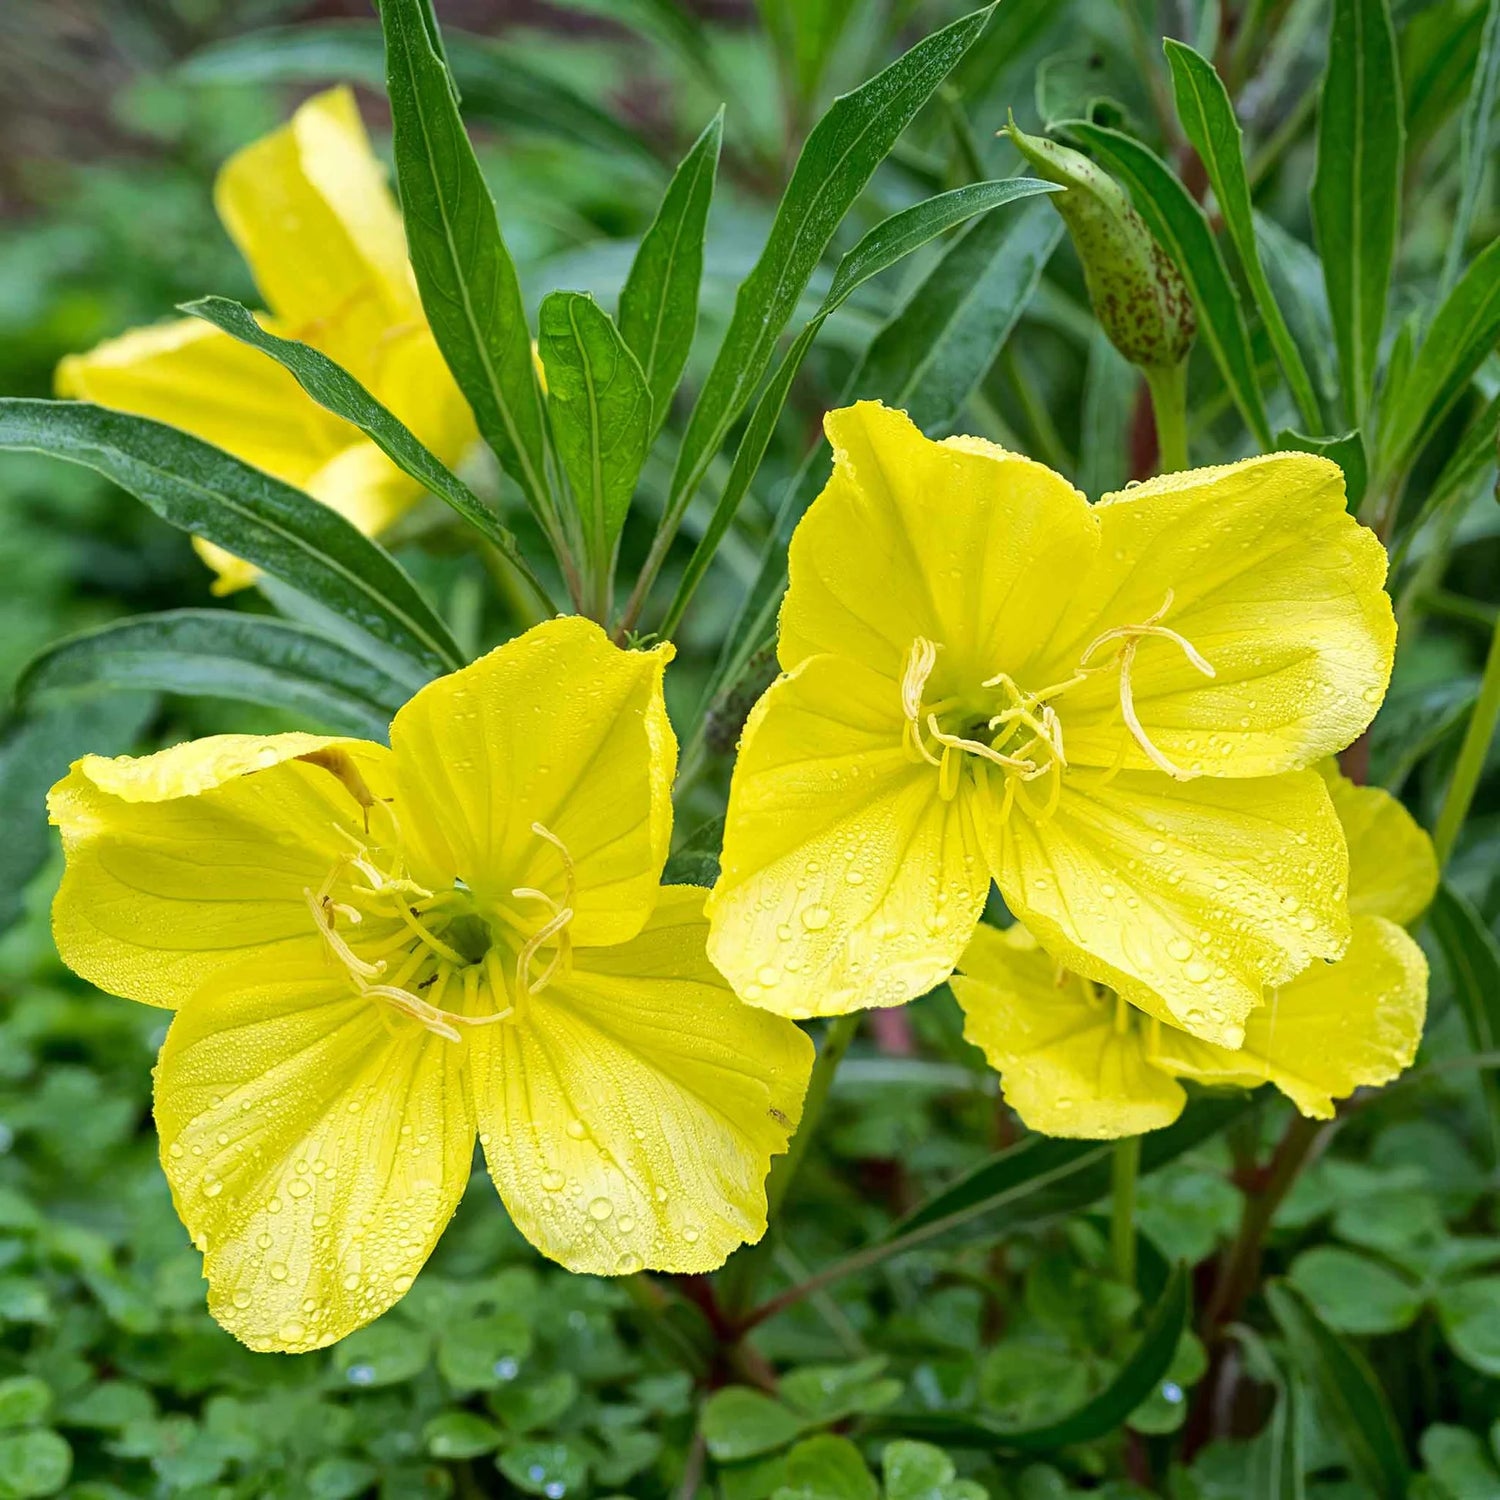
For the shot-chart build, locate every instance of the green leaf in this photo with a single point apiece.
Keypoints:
(659, 301)
(740, 1423)
(1473, 959)
(217, 653)
(827, 1468)
(1181, 226)
(601, 413)
(887, 243)
(460, 1435)
(1470, 1315)
(549, 1469)
(208, 493)
(497, 83)
(1109, 388)
(1135, 1380)
(838, 159)
(464, 272)
(1353, 1402)
(334, 389)
(35, 753)
(1475, 143)
(482, 1354)
(1209, 122)
(829, 1393)
(918, 1471)
(1463, 334)
(382, 1354)
(24, 1401)
(1356, 188)
(33, 1464)
(1347, 450)
(1353, 1293)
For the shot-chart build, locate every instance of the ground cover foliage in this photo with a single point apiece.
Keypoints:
(947, 1305)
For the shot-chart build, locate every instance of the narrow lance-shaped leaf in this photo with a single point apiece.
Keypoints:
(1356, 189)
(601, 413)
(1347, 450)
(335, 389)
(37, 751)
(1462, 336)
(838, 159)
(1475, 143)
(1179, 223)
(887, 243)
(464, 272)
(496, 82)
(659, 301)
(1356, 1407)
(1208, 119)
(202, 490)
(220, 653)
(1103, 1413)
(1473, 958)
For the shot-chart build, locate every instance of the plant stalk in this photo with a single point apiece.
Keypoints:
(1471, 755)
(1168, 387)
(1124, 1172)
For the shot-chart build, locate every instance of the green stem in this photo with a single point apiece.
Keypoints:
(784, 1170)
(1123, 1174)
(1168, 387)
(742, 1276)
(1471, 755)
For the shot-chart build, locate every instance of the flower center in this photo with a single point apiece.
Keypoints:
(426, 954)
(1018, 730)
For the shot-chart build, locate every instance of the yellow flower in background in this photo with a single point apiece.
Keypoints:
(310, 211)
(1076, 1059)
(1103, 707)
(377, 953)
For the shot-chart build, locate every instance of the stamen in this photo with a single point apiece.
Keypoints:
(1132, 635)
(356, 966)
(976, 747)
(556, 925)
(431, 939)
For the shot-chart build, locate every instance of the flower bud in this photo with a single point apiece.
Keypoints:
(1138, 295)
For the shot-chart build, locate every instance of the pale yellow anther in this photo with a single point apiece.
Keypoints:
(1132, 635)
(556, 926)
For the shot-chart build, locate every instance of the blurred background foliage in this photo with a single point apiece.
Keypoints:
(1373, 1366)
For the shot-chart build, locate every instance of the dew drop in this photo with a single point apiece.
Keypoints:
(815, 918)
(600, 1209)
(553, 1181)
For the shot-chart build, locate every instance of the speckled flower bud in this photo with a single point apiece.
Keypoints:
(1139, 298)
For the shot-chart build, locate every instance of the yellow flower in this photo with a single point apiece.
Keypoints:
(1104, 708)
(379, 952)
(1078, 1060)
(309, 209)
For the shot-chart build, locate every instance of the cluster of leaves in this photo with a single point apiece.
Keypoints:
(938, 1312)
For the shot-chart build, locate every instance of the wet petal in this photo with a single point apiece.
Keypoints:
(630, 1113)
(1269, 578)
(1188, 898)
(557, 728)
(847, 880)
(1067, 1067)
(183, 863)
(316, 1144)
(1393, 871)
(958, 542)
(1335, 1028)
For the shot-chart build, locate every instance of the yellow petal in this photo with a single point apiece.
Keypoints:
(958, 542)
(316, 1146)
(309, 208)
(1393, 871)
(1068, 1069)
(847, 881)
(1277, 587)
(1335, 1028)
(1187, 898)
(183, 863)
(364, 487)
(195, 377)
(557, 728)
(413, 380)
(630, 1113)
